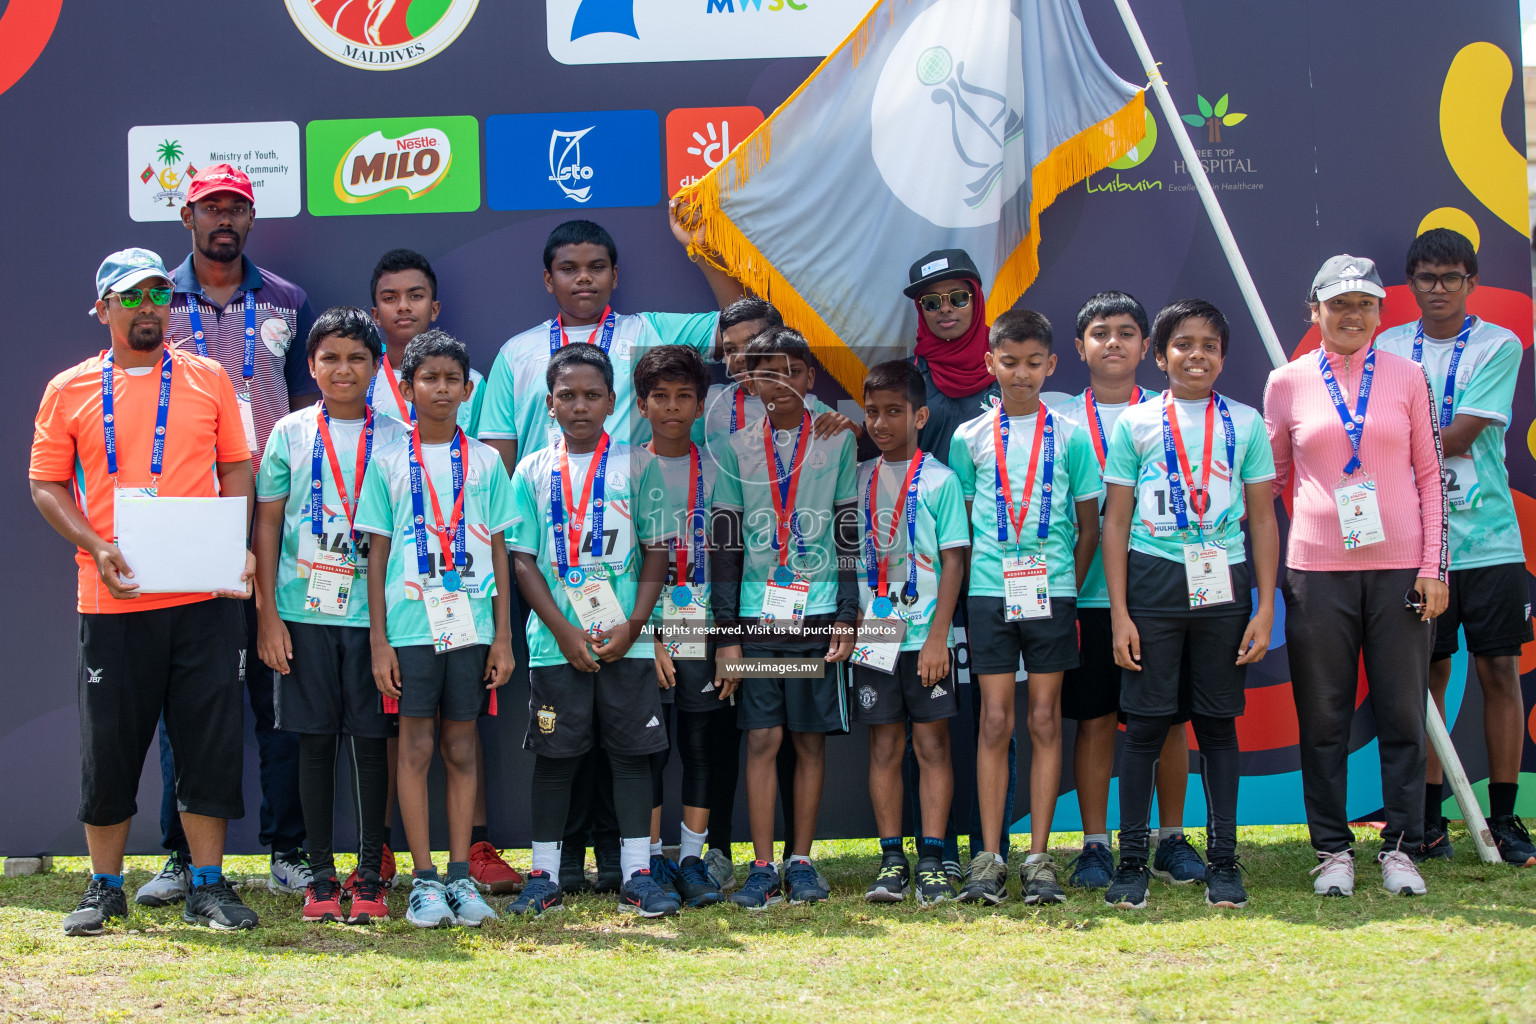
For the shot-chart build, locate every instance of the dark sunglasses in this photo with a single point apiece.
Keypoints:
(131, 297)
(1425, 283)
(934, 301)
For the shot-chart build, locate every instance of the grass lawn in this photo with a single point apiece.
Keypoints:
(1467, 951)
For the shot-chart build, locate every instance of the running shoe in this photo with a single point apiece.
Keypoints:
(1128, 889)
(805, 883)
(1436, 844)
(892, 883)
(368, 903)
(290, 872)
(954, 872)
(720, 868)
(389, 872)
(695, 885)
(469, 909)
(665, 874)
(1094, 868)
(1335, 873)
(489, 872)
(428, 907)
(216, 906)
(322, 900)
(1040, 885)
(1513, 841)
(1398, 875)
(540, 893)
(1176, 862)
(610, 872)
(933, 885)
(762, 888)
(987, 881)
(644, 896)
(1224, 884)
(100, 904)
(169, 886)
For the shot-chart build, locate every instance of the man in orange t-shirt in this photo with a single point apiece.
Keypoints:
(142, 417)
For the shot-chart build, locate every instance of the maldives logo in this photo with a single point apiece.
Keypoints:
(381, 35)
(168, 180)
(393, 165)
(375, 165)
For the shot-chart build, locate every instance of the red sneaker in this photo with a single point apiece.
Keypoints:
(322, 900)
(490, 872)
(387, 872)
(368, 904)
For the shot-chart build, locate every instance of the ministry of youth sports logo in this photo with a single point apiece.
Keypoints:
(945, 92)
(381, 35)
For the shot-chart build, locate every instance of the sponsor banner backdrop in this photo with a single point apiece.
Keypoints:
(1316, 144)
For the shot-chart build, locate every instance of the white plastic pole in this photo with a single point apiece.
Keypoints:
(1439, 737)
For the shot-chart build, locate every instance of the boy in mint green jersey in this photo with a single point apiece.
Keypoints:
(440, 623)
(312, 603)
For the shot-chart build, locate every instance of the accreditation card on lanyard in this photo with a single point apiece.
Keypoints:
(247, 361)
(449, 617)
(1207, 575)
(1355, 499)
(686, 595)
(1026, 577)
(332, 573)
(882, 629)
(587, 588)
(1460, 472)
(109, 432)
(785, 593)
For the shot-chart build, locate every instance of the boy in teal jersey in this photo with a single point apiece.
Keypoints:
(911, 567)
(1025, 571)
(404, 293)
(1472, 367)
(784, 538)
(1113, 337)
(312, 603)
(1181, 473)
(441, 629)
(589, 548)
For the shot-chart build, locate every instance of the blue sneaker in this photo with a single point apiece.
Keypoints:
(1177, 862)
(469, 910)
(1094, 868)
(761, 889)
(540, 893)
(665, 874)
(805, 883)
(644, 896)
(429, 907)
(696, 886)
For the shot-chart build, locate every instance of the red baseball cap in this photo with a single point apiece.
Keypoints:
(220, 178)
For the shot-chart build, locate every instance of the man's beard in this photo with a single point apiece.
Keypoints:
(145, 337)
(226, 249)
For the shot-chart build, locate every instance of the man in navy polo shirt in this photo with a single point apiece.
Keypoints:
(253, 323)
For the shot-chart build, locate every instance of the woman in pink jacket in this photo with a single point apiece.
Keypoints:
(1353, 431)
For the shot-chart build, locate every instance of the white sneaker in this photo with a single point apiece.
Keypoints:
(1335, 874)
(171, 885)
(290, 873)
(1398, 875)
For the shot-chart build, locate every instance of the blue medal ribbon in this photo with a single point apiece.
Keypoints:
(597, 475)
(1043, 450)
(419, 477)
(162, 415)
(882, 603)
(1354, 425)
(1447, 403)
(248, 362)
(317, 477)
(1175, 464)
(602, 338)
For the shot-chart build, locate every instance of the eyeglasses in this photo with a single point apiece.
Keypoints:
(131, 297)
(1426, 282)
(934, 301)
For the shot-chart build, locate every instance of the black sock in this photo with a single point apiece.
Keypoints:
(1219, 775)
(891, 849)
(478, 834)
(930, 848)
(1434, 799)
(1501, 798)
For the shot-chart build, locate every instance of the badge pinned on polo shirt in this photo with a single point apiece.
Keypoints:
(276, 335)
(1206, 574)
(331, 575)
(1026, 588)
(593, 600)
(683, 609)
(784, 599)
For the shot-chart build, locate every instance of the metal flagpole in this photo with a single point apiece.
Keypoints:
(1439, 737)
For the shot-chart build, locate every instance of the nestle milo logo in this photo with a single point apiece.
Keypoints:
(393, 165)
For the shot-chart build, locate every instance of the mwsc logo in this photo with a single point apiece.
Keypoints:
(381, 35)
(632, 31)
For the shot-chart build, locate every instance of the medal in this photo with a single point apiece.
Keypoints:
(881, 608)
(451, 580)
(682, 597)
(783, 576)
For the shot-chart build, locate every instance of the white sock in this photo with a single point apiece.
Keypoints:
(1097, 837)
(634, 855)
(796, 856)
(1035, 857)
(692, 845)
(546, 857)
(656, 848)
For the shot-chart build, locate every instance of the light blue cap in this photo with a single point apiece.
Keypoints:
(126, 268)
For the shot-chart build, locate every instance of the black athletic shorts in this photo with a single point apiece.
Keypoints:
(1493, 604)
(330, 688)
(618, 707)
(185, 663)
(799, 705)
(696, 689)
(1092, 690)
(1188, 664)
(881, 699)
(451, 684)
(1047, 645)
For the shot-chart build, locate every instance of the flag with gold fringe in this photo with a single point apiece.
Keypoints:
(937, 124)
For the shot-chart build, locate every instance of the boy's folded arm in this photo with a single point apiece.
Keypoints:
(725, 564)
(845, 533)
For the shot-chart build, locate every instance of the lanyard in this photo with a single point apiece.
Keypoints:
(739, 409)
(876, 566)
(1045, 440)
(558, 339)
(560, 500)
(323, 443)
(1354, 425)
(1100, 441)
(1447, 404)
(784, 489)
(1176, 460)
(248, 362)
(162, 414)
(451, 552)
(407, 410)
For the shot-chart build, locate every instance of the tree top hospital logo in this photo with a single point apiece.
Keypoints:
(573, 161)
(381, 35)
(945, 91)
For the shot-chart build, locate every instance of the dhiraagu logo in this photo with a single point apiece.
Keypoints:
(393, 165)
(632, 31)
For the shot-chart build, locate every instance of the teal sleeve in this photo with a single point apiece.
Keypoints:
(1084, 466)
(727, 480)
(847, 471)
(274, 478)
(527, 533)
(1491, 393)
(651, 506)
(497, 415)
(948, 508)
(1259, 459)
(469, 413)
(965, 469)
(375, 505)
(1121, 463)
(696, 330)
(500, 512)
